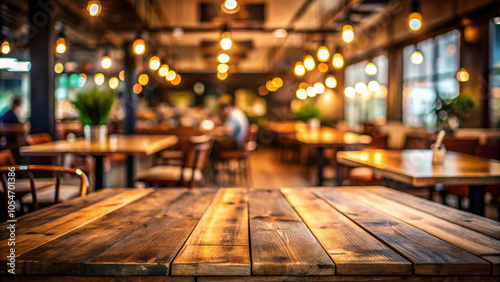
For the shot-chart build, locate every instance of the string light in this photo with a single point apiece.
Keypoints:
(222, 75)
(5, 47)
(177, 80)
(309, 63)
(463, 75)
(301, 93)
(163, 70)
(347, 33)
(416, 57)
(331, 82)
(106, 62)
(226, 42)
(139, 47)
(59, 68)
(361, 88)
(299, 69)
(61, 42)
(222, 68)
(223, 58)
(319, 87)
(99, 79)
(94, 8)
(143, 79)
(371, 69)
(373, 86)
(113, 83)
(154, 63)
(311, 92)
(338, 61)
(323, 54)
(415, 18)
(230, 7)
(350, 92)
(121, 75)
(170, 75)
(137, 88)
(277, 82)
(280, 33)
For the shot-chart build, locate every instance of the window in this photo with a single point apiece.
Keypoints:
(369, 102)
(434, 77)
(495, 74)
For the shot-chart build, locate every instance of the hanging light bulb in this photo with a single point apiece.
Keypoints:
(331, 82)
(309, 63)
(361, 88)
(277, 82)
(177, 80)
(121, 75)
(301, 93)
(222, 68)
(163, 70)
(143, 79)
(113, 83)
(338, 61)
(463, 75)
(171, 75)
(61, 42)
(154, 63)
(59, 68)
(223, 58)
(106, 62)
(416, 57)
(371, 69)
(222, 75)
(311, 92)
(139, 47)
(415, 18)
(225, 41)
(137, 88)
(5, 48)
(230, 7)
(373, 86)
(94, 8)
(350, 92)
(99, 79)
(319, 87)
(323, 54)
(299, 69)
(323, 67)
(347, 33)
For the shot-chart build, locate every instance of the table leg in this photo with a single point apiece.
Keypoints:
(99, 176)
(477, 202)
(338, 167)
(130, 171)
(320, 163)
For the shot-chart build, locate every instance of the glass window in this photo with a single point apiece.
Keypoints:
(435, 77)
(369, 102)
(495, 74)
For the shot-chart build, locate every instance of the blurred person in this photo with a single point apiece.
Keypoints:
(11, 116)
(235, 121)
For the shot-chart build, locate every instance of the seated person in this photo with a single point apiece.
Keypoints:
(10, 117)
(235, 122)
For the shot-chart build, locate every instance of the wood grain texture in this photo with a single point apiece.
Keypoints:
(54, 258)
(47, 232)
(495, 264)
(415, 167)
(354, 251)
(472, 241)
(281, 243)
(150, 249)
(330, 136)
(219, 244)
(126, 144)
(475, 222)
(342, 278)
(59, 278)
(429, 255)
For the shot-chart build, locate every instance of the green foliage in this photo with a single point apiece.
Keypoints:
(450, 111)
(94, 106)
(307, 111)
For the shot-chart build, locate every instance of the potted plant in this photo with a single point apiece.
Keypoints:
(94, 106)
(309, 112)
(449, 112)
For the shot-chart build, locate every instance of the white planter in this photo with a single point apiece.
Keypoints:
(97, 133)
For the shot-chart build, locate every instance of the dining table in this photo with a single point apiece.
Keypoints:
(131, 145)
(324, 137)
(415, 167)
(239, 234)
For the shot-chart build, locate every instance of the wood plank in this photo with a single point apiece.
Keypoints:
(354, 251)
(342, 278)
(161, 238)
(48, 214)
(219, 244)
(495, 264)
(281, 243)
(429, 255)
(93, 238)
(58, 278)
(42, 234)
(475, 222)
(474, 242)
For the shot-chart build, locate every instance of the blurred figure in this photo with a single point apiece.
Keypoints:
(235, 121)
(10, 117)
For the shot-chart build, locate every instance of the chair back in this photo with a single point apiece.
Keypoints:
(40, 138)
(417, 143)
(7, 158)
(489, 151)
(461, 145)
(379, 142)
(196, 153)
(29, 169)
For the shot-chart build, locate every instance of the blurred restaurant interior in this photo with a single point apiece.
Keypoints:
(257, 94)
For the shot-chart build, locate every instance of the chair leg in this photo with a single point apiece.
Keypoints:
(460, 206)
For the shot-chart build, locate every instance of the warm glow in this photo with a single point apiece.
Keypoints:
(323, 54)
(59, 68)
(361, 88)
(106, 62)
(373, 86)
(416, 57)
(338, 61)
(222, 68)
(371, 69)
(310, 91)
(143, 79)
(301, 93)
(226, 42)
(222, 76)
(415, 21)
(347, 33)
(223, 58)
(277, 82)
(121, 75)
(139, 47)
(99, 79)
(94, 8)
(309, 62)
(5, 47)
(280, 33)
(270, 86)
(113, 83)
(299, 69)
(350, 92)
(230, 7)
(319, 87)
(61, 45)
(303, 85)
(331, 82)
(207, 125)
(323, 67)
(137, 88)
(154, 63)
(163, 70)
(262, 90)
(463, 75)
(177, 80)
(170, 75)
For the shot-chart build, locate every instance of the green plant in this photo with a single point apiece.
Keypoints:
(94, 106)
(450, 111)
(307, 111)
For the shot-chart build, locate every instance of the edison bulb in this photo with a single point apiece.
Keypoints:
(415, 21)
(301, 93)
(371, 69)
(154, 63)
(323, 54)
(338, 61)
(223, 58)
(139, 47)
(319, 87)
(331, 82)
(347, 33)
(113, 83)
(310, 91)
(309, 62)
(5, 47)
(350, 92)
(163, 70)
(299, 69)
(106, 62)
(373, 86)
(99, 79)
(416, 57)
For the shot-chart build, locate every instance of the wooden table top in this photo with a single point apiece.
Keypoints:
(415, 167)
(127, 144)
(330, 136)
(14, 129)
(329, 233)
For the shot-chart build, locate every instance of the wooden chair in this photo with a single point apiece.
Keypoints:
(174, 154)
(461, 145)
(40, 138)
(46, 196)
(196, 152)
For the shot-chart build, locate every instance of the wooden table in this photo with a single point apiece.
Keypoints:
(327, 234)
(123, 144)
(415, 167)
(327, 137)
